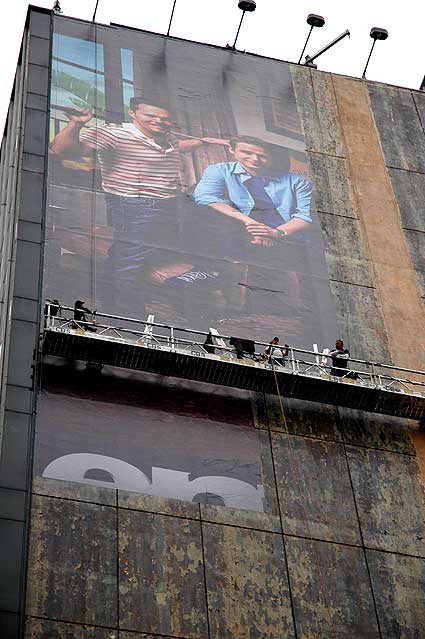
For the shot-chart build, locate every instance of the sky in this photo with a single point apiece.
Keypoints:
(277, 29)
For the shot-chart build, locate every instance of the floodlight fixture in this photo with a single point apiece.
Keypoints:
(309, 60)
(422, 87)
(313, 20)
(244, 6)
(57, 8)
(95, 11)
(171, 18)
(376, 34)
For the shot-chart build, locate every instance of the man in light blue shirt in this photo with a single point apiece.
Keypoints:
(270, 204)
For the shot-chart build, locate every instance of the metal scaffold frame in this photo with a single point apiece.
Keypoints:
(186, 353)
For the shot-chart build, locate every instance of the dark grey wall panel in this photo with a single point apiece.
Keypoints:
(360, 323)
(346, 255)
(377, 431)
(34, 132)
(38, 79)
(73, 562)
(38, 102)
(161, 575)
(390, 500)
(13, 461)
(12, 504)
(18, 400)
(247, 586)
(409, 189)
(333, 192)
(331, 591)
(419, 100)
(400, 130)
(416, 244)
(11, 534)
(399, 587)
(33, 162)
(23, 340)
(9, 625)
(317, 107)
(29, 232)
(38, 52)
(40, 24)
(27, 271)
(31, 206)
(303, 418)
(314, 489)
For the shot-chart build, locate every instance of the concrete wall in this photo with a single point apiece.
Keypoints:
(341, 550)
(23, 159)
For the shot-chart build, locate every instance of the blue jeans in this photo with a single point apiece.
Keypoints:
(134, 221)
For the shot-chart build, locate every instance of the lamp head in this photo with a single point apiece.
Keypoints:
(247, 5)
(378, 34)
(315, 20)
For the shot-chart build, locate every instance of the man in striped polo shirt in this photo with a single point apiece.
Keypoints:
(141, 179)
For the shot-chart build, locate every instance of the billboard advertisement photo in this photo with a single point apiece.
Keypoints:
(178, 188)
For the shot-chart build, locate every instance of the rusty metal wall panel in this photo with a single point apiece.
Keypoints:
(399, 587)
(360, 322)
(136, 635)
(46, 629)
(241, 518)
(72, 570)
(409, 189)
(377, 431)
(303, 418)
(74, 491)
(400, 129)
(315, 495)
(160, 505)
(318, 111)
(390, 500)
(331, 591)
(346, 255)
(247, 586)
(161, 575)
(396, 119)
(333, 191)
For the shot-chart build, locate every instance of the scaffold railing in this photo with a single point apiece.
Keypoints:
(208, 356)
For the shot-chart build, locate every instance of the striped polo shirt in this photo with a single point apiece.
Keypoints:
(133, 165)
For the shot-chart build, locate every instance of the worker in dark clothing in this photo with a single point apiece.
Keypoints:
(274, 354)
(52, 308)
(80, 315)
(340, 357)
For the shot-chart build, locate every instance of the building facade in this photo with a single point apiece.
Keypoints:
(151, 176)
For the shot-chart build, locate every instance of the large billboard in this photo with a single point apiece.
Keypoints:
(178, 187)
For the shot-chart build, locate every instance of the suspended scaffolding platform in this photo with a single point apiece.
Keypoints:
(182, 352)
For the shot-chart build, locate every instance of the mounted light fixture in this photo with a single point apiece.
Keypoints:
(244, 6)
(57, 8)
(422, 87)
(377, 34)
(95, 11)
(309, 60)
(314, 21)
(171, 18)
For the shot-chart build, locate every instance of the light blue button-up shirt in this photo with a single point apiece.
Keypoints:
(290, 193)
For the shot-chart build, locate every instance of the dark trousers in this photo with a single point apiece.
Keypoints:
(135, 221)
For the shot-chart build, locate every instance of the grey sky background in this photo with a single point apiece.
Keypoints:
(277, 29)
